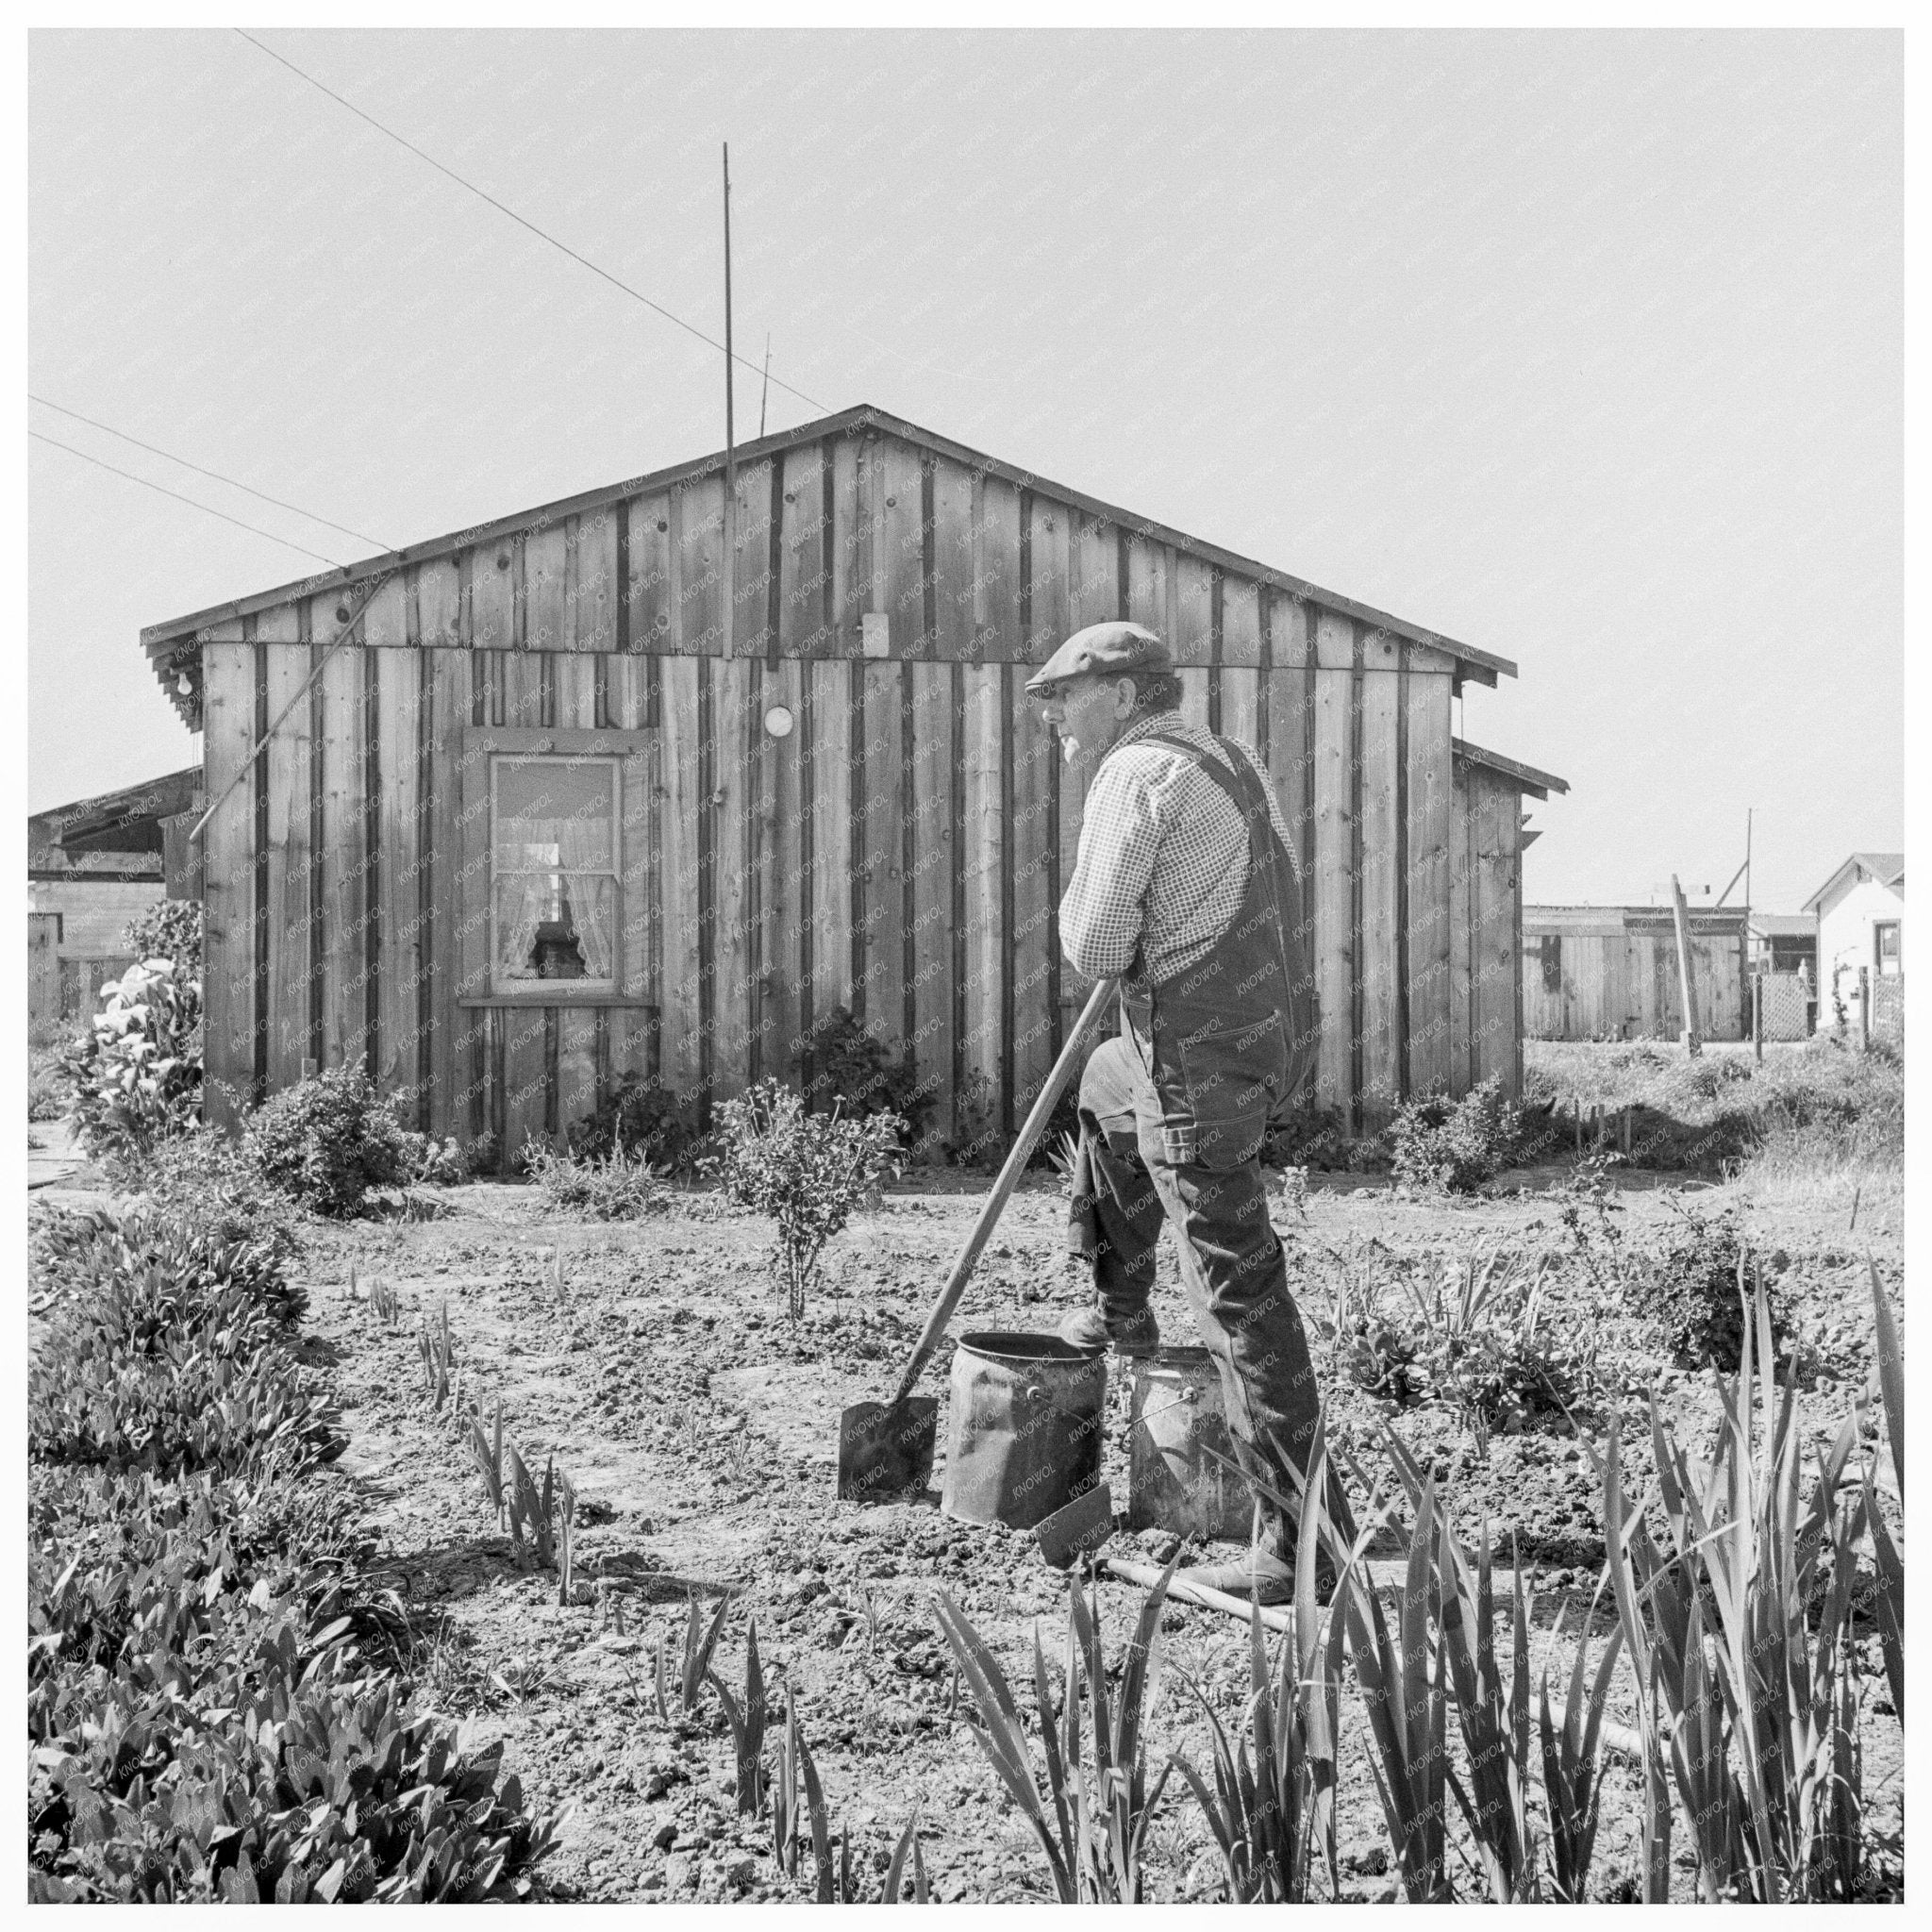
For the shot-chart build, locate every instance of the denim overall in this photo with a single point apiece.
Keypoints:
(1172, 1114)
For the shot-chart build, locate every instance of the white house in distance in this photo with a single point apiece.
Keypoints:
(1861, 911)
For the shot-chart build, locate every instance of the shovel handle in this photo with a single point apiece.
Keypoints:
(1003, 1188)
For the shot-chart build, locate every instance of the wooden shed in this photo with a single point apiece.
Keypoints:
(788, 765)
(1612, 973)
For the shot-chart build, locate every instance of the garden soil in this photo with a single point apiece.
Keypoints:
(700, 1433)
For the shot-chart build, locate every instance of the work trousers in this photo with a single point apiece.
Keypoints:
(1130, 1176)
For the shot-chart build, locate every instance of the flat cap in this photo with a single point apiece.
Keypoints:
(1107, 649)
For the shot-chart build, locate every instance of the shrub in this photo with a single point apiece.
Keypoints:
(330, 1139)
(49, 1079)
(642, 1119)
(1454, 1147)
(852, 1074)
(612, 1186)
(168, 929)
(807, 1171)
(1692, 1292)
(136, 1074)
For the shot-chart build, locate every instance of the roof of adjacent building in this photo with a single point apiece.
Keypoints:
(1784, 925)
(1539, 784)
(1887, 868)
(105, 832)
(163, 642)
(1580, 919)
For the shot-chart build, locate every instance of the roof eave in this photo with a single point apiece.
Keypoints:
(1537, 784)
(165, 640)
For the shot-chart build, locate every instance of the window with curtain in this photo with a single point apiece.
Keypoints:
(553, 872)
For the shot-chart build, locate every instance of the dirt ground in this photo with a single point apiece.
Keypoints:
(701, 1435)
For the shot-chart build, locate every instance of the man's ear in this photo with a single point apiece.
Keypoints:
(1125, 693)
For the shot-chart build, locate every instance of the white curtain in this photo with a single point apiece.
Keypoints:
(584, 856)
(522, 902)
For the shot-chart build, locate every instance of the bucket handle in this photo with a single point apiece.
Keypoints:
(1187, 1396)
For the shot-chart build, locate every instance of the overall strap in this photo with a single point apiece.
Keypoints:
(1243, 789)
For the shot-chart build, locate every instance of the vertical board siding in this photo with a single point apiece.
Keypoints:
(901, 853)
(228, 879)
(1333, 951)
(1381, 789)
(1431, 805)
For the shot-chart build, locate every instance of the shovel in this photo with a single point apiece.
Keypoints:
(887, 1446)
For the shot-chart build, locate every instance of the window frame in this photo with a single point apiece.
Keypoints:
(539, 990)
(1880, 928)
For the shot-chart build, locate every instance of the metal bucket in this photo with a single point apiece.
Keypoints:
(1027, 1413)
(1171, 1482)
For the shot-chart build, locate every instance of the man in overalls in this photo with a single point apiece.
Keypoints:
(1185, 888)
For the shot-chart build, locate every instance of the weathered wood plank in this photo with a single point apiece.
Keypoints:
(804, 585)
(851, 548)
(986, 941)
(734, 881)
(785, 896)
(697, 538)
(343, 867)
(576, 1067)
(526, 1102)
(1381, 893)
(1499, 814)
(829, 778)
(1333, 883)
(549, 564)
(228, 881)
(898, 568)
(1194, 695)
(493, 597)
(936, 841)
(459, 897)
(403, 956)
(1150, 569)
(751, 570)
(288, 836)
(679, 804)
(954, 533)
(1462, 932)
(996, 634)
(647, 557)
(1431, 805)
(1193, 613)
(1035, 913)
(439, 604)
(591, 621)
(885, 915)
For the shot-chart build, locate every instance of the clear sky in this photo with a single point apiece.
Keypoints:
(1584, 348)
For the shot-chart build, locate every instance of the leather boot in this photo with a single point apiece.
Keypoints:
(1092, 1331)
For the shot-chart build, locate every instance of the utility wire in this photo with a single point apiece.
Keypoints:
(584, 261)
(360, 535)
(190, 501)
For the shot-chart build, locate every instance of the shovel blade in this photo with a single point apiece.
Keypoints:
(1076, 1528)
(884, 1447)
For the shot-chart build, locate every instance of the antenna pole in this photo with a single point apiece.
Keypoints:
(766, 389)
(730, 435)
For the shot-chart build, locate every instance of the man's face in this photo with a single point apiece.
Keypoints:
(1088, 713)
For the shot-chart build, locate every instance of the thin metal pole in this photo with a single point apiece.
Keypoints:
(765, 388)
(730, 428)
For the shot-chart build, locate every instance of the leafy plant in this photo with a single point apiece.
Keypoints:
(1270, 1812)
(1094, 1836)
(747, 1722)
(1741, 1624)
(639, 1121)
(136, 1074)
(1693, 1291)
(1454, 1147)
(1890, 1607)
(613, 1186)
(796, 1767)
(168, 929)
(807, 1171)
(1572, 1766)
(437, 1353)
(329, 1139)
(851, 1074)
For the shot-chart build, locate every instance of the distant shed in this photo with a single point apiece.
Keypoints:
(1612, 973)
(651, 780)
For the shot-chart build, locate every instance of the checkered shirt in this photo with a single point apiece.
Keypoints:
(1163, 855)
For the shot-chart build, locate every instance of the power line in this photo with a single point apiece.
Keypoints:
(360, 535)
(584, 261)
(162, 490)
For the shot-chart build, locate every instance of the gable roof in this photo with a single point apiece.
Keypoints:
(1887, 868)
(164, 642)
